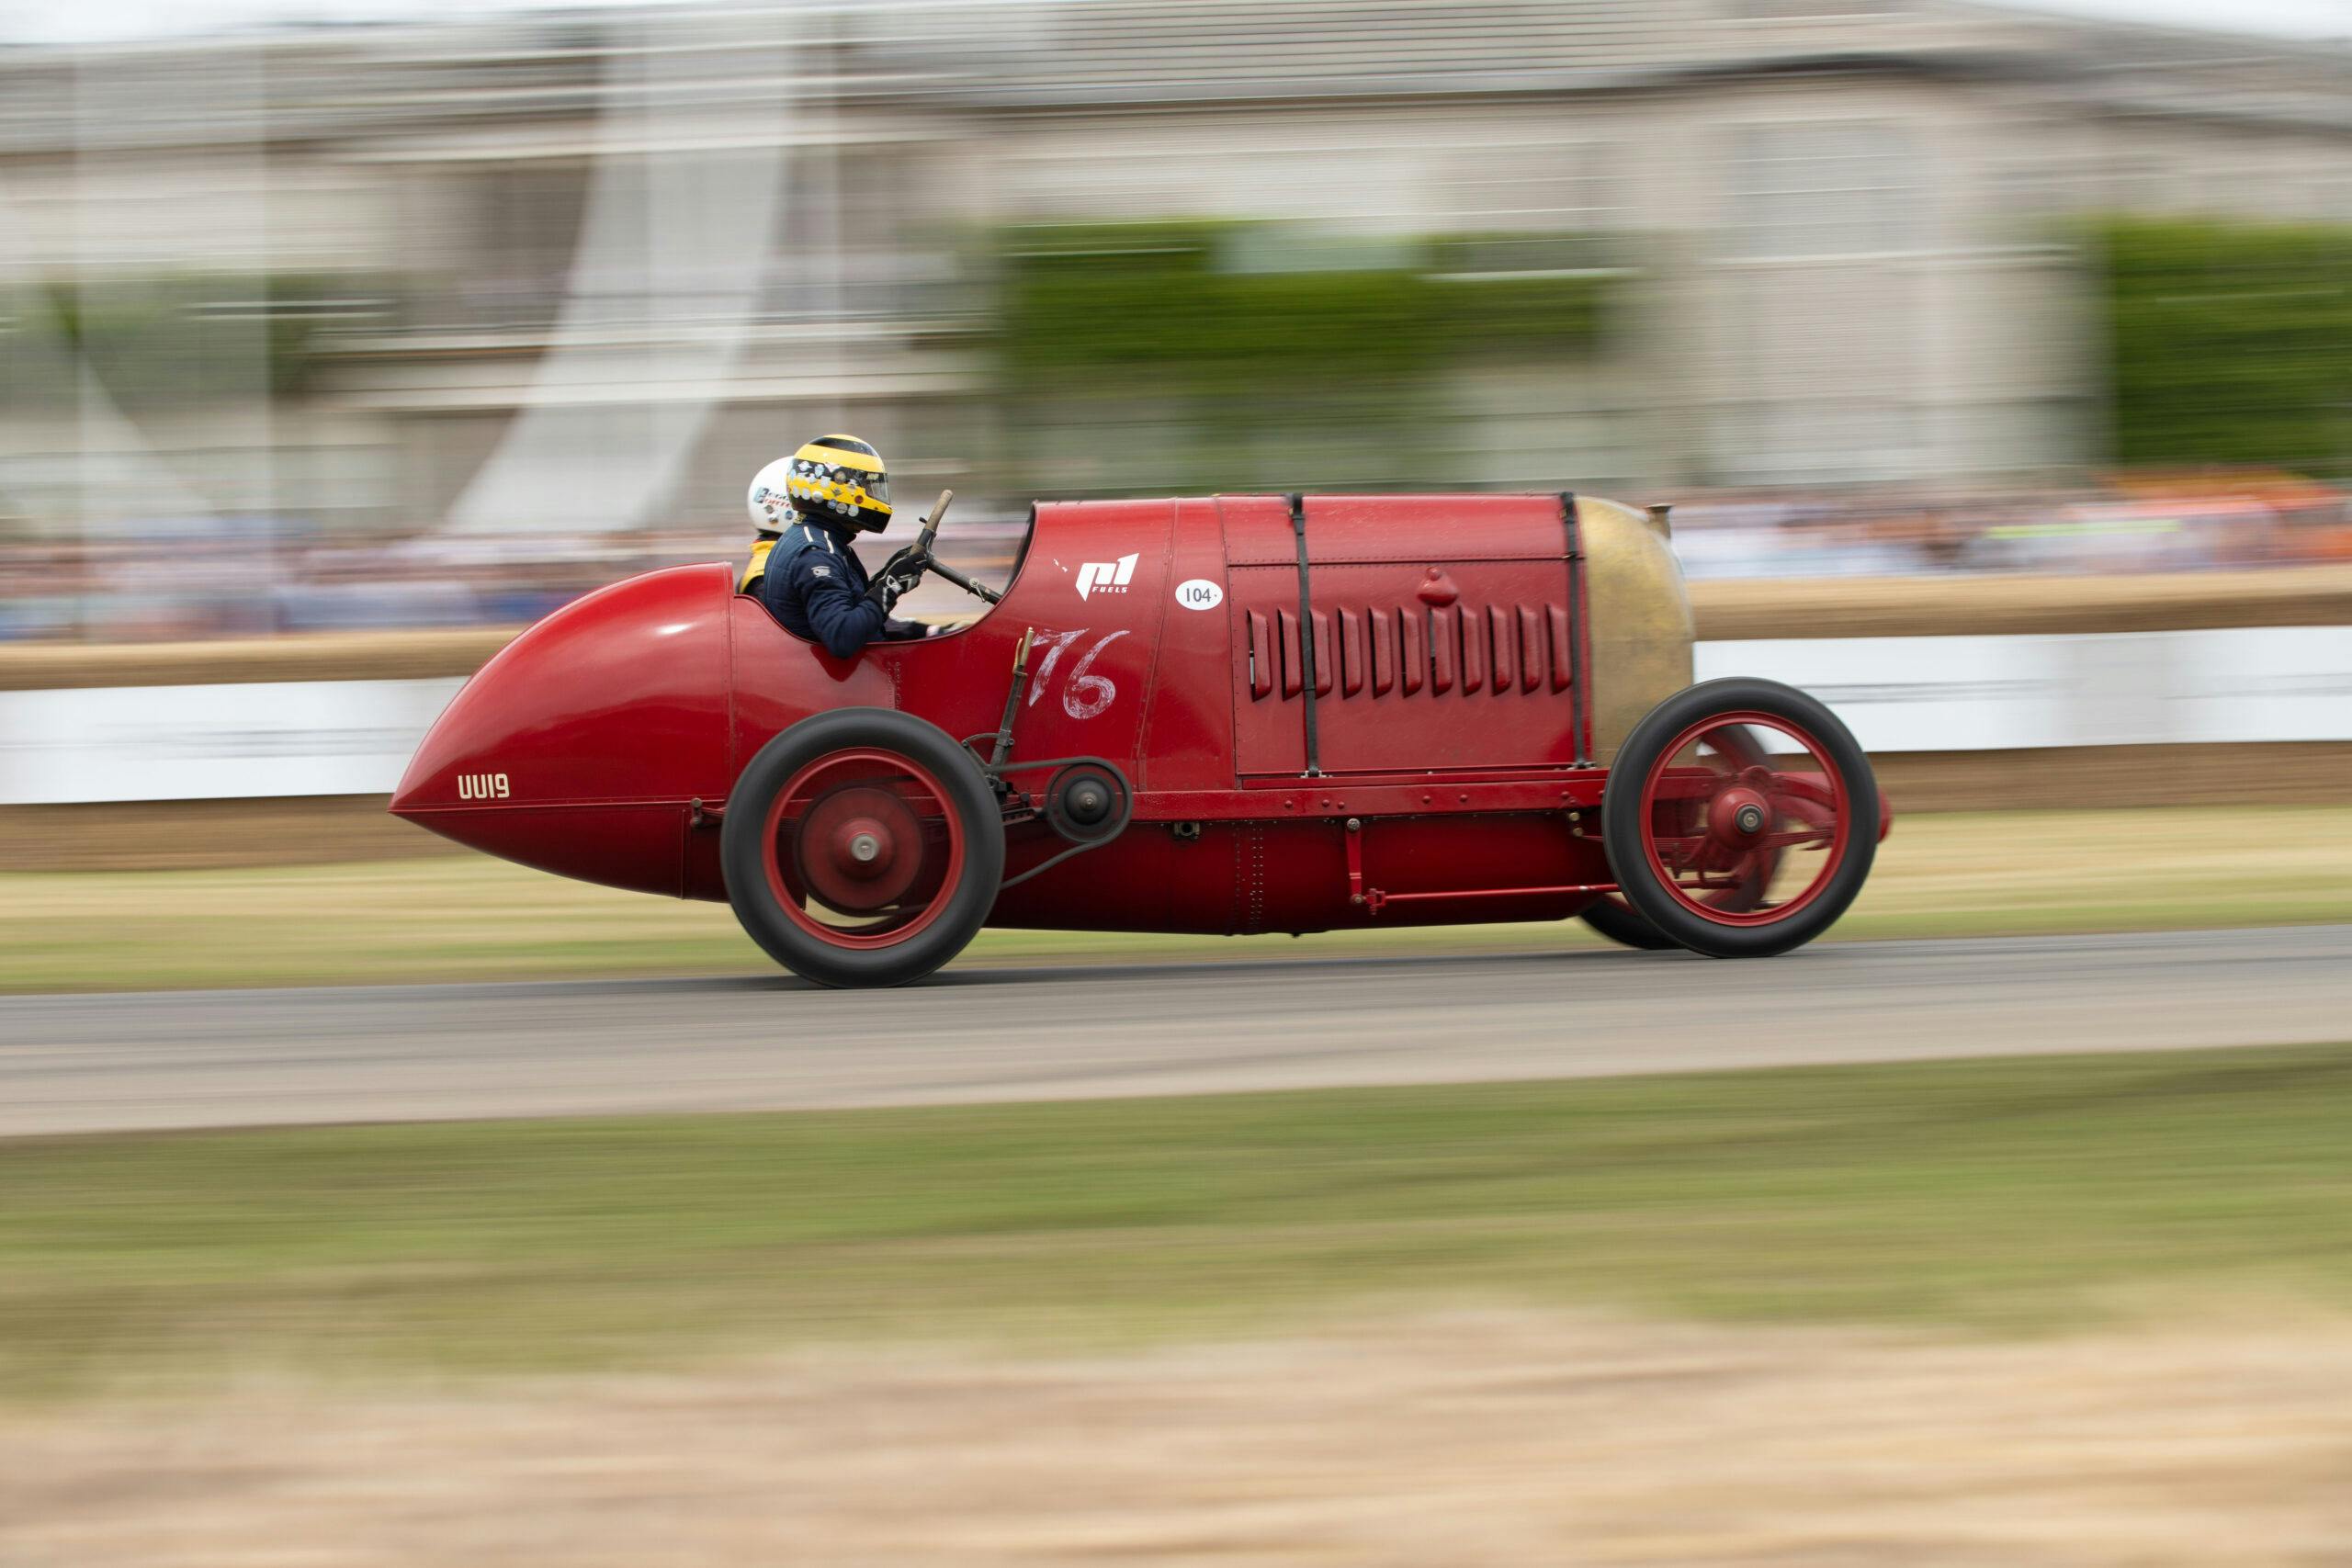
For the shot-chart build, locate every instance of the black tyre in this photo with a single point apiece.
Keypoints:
(862, 847)
(1622, 923)
(1740, 819)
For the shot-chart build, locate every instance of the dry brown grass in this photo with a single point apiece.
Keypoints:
(1493, 1439)
(2117, 778)
(193, 835)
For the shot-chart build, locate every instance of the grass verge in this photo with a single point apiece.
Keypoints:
(2001, 1194)
(472, 918)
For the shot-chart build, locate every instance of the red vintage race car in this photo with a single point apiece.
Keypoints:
(1235, 715)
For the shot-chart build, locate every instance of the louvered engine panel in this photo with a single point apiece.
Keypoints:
(1441, 633)
(1404, 685)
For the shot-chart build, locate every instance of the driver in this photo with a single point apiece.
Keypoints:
(807, 508)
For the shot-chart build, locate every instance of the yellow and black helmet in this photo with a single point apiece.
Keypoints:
(839, 481)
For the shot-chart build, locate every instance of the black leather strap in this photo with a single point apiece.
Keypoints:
(1577, 675)
(1306, 633)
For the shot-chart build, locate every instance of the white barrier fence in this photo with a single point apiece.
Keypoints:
(1983, 694)
(1926, 694)
(262, 738)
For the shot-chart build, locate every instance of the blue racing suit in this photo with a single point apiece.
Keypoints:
(813, 582)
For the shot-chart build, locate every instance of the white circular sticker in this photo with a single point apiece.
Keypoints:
(1200, 593)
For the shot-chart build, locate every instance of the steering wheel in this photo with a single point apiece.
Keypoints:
(909, 564)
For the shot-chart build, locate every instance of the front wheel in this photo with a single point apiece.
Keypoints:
(862, 847)
(1740, 819)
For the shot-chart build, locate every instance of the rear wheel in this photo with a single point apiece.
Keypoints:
(1622, 923)
(1740, 819)
(861, 848)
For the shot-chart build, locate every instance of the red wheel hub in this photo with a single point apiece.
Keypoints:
(861, 847)
(1737, 818)
(865, 848)
(1745, 831)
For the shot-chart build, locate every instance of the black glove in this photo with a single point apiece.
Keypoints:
(898, 575)
(909, 562)
(890, 587)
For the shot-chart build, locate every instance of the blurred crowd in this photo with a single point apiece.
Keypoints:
(269, 576)
(2130, 524)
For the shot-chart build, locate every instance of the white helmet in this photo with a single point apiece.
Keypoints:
(772, 509)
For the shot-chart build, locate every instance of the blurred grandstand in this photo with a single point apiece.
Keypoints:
(441, 324)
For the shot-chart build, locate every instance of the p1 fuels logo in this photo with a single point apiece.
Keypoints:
(1107, 576)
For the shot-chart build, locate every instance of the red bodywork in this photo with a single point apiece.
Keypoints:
(1451, 714)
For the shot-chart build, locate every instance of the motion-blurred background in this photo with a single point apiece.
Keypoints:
(1997, 362)
(440, 321)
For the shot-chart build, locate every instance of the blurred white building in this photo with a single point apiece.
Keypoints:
(587, 271)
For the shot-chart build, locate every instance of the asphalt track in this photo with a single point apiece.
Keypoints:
(210, 1058)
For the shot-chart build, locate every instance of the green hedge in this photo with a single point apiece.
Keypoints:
(1235, 355)
(1163, 305)
(2230, 342)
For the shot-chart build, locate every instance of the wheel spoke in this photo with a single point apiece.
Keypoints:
(1746, 819)
(1803, 794)
(1678, 852)
(1755, 881)
(1735, 746)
